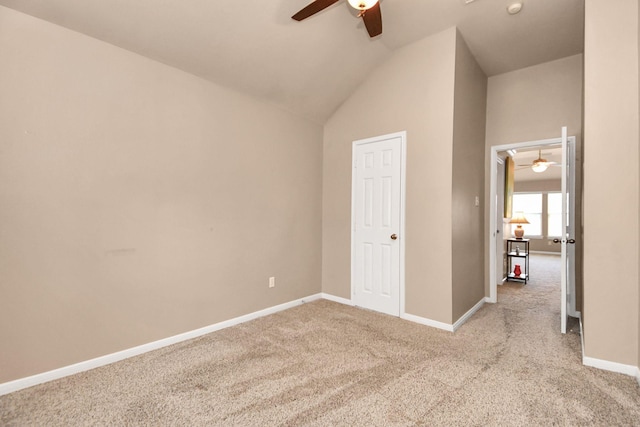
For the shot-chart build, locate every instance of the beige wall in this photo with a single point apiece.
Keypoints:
(138, 201)
(468, 263)
(540, 185)
(611, 180)
(412, 91)
(533, 104)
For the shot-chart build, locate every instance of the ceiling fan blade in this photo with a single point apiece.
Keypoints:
(373, 20)
(313, 8)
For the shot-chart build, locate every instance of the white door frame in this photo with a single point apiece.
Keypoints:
(499, 230)
(493, 286)
(401, 238)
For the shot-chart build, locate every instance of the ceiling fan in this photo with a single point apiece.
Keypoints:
(540, 164)
(369, 12)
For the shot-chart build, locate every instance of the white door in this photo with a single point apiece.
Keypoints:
(567, 248)
(499, 233)
(571, 228)
(377, 223)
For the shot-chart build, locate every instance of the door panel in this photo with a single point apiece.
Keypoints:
(564, 269)
(376, 211)
(500, 234)
(571, 227)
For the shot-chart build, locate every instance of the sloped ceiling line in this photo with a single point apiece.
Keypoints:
(312, 66)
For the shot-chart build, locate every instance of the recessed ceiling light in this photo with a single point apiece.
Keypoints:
(514, 8)
(468, 1)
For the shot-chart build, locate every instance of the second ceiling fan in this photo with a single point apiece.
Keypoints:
(539, 164)
(369, 11)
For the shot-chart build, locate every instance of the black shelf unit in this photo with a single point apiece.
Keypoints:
(518, 250)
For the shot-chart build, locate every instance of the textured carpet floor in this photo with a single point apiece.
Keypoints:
(324, 363)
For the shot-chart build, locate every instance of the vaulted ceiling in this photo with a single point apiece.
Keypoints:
(311, 67)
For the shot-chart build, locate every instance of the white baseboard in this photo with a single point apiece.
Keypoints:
(418, 319)
(427, 322)
(86, 365)
(337, 299)
(468, 314)
(44, 377)
(606, 365)
(545, 253)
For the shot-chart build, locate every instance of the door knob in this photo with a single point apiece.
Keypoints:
(394, 237)
(572, 241)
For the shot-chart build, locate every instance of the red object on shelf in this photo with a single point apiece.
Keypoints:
(517, 271)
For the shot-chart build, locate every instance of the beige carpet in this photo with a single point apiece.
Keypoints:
(325, 364)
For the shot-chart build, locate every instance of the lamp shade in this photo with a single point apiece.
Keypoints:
(519, 219)
(362, 4)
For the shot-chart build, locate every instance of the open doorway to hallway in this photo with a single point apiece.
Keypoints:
(534, 197)
(538, 197)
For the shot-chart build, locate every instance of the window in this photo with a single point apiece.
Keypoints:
(543, 211)
(531, 205)
(554, 214)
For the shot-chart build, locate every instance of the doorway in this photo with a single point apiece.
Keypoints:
(568, 303)
(377, 217)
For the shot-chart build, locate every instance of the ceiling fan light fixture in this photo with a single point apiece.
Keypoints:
(514, 8)
(362, 4)
(539, 166)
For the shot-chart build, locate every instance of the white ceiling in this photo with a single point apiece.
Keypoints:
(311, 67)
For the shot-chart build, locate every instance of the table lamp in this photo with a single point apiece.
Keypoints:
(519, 219)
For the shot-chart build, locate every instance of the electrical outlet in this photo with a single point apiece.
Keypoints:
(272, 282)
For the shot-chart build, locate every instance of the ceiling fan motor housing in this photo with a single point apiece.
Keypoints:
(540, 160)
(362, 4)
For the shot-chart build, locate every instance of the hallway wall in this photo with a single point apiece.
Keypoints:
(611, 182)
